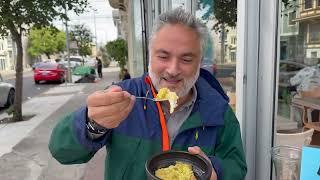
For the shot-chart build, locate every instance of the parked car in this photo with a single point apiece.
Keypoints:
(287, 70)
(77, 60)
(91, 63)
(65, 63)
(7, 93)
(209, 65)
(35, 65)
(50, 72)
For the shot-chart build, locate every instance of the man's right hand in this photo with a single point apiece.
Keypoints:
(110, 107)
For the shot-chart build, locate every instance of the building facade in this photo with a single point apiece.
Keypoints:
(7, 54)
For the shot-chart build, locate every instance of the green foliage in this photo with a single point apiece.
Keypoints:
(225, 11)
(10, 110)
(83, 37)
(17, 17)
(118, 51)
(21, 15)
(46, 40)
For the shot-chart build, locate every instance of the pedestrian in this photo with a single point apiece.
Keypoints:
(133, 130)
(99, 67)
(125, 74)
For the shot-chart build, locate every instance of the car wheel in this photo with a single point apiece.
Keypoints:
(37, 82)
(10, 99)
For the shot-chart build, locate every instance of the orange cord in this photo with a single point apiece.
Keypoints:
(165, 136)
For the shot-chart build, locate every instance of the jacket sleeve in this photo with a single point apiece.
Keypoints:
(69, 143)
(229, 161)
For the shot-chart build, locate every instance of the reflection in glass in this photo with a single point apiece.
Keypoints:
(299, 69)
(220, 17)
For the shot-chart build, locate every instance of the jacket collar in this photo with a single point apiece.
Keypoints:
(210, 106)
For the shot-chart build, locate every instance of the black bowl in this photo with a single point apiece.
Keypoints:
(201, 167)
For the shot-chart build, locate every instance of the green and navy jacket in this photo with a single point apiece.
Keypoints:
(212, 126)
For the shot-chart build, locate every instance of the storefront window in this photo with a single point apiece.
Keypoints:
(220, 59)
(298, 98)
(137, 62)
(307, 4)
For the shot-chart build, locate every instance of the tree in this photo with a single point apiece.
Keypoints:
(118, 51)
(17, 17)
(225, 12)
(83, 37)
(46, 40)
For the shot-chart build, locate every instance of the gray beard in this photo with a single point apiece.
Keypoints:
(187, 83)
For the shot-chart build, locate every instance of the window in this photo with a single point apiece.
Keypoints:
(313, 54)
(234, 40)
(308, 4)
(291, 18)
(233, 56)
(2, 64)
(314, 37)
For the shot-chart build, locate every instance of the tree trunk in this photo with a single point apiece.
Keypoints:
(48, 55)
(17, 114)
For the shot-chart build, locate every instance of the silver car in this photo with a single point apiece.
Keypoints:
(7, 92)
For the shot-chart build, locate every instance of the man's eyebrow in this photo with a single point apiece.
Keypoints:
(188, 54)
(162, 51)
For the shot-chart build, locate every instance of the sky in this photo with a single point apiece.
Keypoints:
(105, 28)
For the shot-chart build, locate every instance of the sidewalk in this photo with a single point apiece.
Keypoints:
(24, 145)
(12, 73)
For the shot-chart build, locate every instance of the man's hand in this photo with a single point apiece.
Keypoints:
(197, 150)
(110, 107)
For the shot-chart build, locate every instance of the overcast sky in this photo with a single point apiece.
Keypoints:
(106, 31)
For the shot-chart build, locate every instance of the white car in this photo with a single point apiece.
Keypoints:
(7, 92)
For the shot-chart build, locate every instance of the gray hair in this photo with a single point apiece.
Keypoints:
(180, 16)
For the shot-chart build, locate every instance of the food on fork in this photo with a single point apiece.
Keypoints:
(166, 94)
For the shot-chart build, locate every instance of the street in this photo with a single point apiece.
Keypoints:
(30, 89)
(25, 155)
(225, 70)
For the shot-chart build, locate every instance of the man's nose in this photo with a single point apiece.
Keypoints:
(174, 68)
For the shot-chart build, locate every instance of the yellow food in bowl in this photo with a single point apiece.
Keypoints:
(180, 171)
(166, 94)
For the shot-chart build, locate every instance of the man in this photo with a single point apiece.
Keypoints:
(132, 130)
(99, 67)
(126, 74)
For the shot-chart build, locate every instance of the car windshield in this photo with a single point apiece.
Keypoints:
(47, 66)
(76, 59)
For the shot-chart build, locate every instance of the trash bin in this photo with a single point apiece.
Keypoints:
(286, 160)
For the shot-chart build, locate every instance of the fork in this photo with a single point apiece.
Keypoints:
(152, 99)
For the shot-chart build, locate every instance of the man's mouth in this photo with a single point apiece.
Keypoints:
(171, 81)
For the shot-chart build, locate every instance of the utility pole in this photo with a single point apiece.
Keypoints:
(95, 29)
(68, 49)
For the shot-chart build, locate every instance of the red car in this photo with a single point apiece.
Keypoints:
(49, 71)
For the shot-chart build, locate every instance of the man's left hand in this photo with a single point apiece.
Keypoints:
(197, 150)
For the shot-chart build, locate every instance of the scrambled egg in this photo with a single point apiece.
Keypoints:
(180, 171)
(166, 94)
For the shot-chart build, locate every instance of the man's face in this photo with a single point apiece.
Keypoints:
(175, 58)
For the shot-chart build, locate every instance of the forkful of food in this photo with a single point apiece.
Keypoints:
(165, 94)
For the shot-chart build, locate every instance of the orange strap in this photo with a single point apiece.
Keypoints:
(165, 136)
